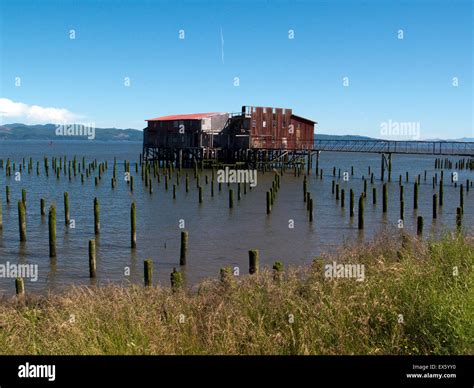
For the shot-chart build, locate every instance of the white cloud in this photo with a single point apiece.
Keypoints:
(34, 114)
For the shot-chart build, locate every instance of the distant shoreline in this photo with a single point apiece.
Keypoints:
(47, 132)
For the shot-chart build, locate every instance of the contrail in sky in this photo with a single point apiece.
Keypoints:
(222, 46)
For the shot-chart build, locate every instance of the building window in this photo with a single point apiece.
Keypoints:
(264, 124)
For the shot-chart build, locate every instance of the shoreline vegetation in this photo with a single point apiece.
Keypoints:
(416, 298)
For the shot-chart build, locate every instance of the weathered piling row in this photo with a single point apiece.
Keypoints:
(66, 169)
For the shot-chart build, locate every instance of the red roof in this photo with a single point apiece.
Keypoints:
(192, 116)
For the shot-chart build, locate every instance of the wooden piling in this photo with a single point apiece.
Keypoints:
(415, 195)
(384, 198)
(42, 207)
(20, 286)
(184, 248)
(435, 206)
(253, 261)
(226, 275)
(231, 198)
(419, 226)
(52, 230)
(361, 212)
(458, 218)
(22, 220)
(133, 225)
(351, 203)
(176, 279)
(92, 259)
(23, 197)
(269, 204)
(148, 272)
(66, 208)
(96, 216)
(441, 200)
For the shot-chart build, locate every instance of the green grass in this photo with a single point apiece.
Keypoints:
(252, 314)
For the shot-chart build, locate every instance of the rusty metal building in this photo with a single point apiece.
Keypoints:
(254, 136)
(267, 128)
(188, 133)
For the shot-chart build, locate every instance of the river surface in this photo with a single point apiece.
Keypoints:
(218, 236)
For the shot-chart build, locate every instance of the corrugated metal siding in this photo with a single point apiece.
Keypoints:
(276, 128)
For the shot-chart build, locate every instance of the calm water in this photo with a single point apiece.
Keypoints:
(218, 236)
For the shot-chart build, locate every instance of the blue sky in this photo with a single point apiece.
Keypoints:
(83, 79)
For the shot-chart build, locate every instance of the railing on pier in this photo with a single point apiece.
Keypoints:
(397, 147)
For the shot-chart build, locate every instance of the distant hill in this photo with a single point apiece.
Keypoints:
(48, 132)
(19, 131)
(462, 139)
(319, 136)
